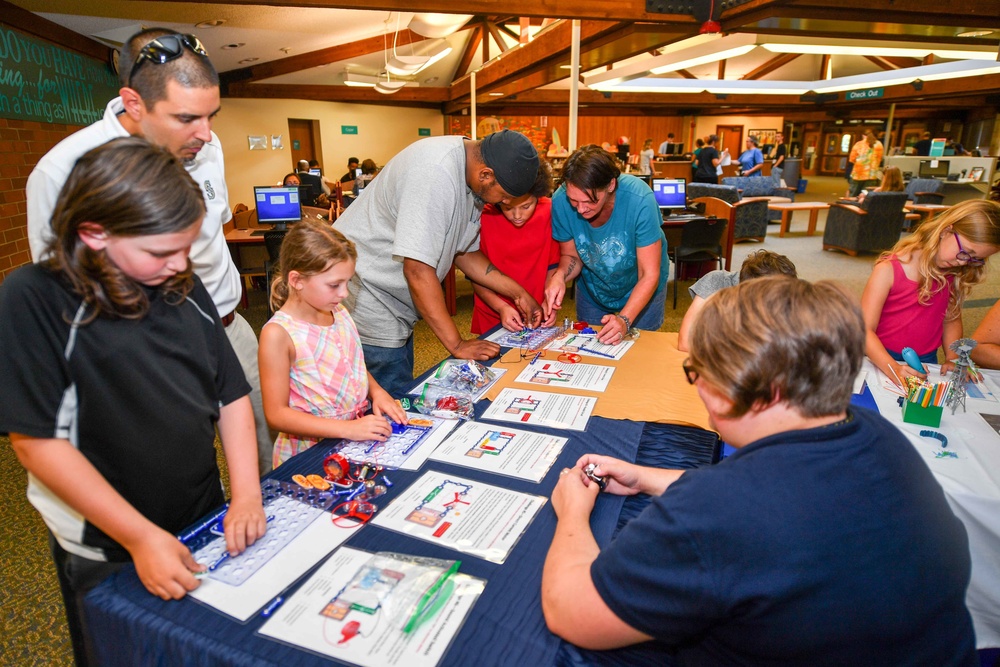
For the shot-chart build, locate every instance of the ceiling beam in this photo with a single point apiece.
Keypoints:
(413, 97)
(971, 13)
(312, 59)
(599, 10)
(599, 51)
(531, 57)
(771, 65)
(475, 36)
(497, 37)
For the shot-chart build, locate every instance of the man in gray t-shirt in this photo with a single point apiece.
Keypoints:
(412, 222)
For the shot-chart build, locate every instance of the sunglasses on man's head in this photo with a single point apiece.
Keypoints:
(164, 49)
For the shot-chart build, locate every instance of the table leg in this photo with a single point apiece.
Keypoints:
(813, 219)
(786, 219)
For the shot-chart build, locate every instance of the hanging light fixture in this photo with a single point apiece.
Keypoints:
(437, 25)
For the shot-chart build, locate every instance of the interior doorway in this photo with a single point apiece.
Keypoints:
(304, 139)
(731, 137)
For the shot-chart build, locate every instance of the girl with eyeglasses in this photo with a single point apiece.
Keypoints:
(914, 296)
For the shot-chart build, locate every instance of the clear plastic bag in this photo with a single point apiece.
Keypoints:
(398, 589)
(462, 374)
(444, 402)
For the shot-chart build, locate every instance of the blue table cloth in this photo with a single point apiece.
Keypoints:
(505, 627)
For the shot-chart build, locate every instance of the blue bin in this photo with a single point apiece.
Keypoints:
(802, 186)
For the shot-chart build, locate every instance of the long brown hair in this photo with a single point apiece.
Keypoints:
(130, 188)
(977, 220)
(310, 247)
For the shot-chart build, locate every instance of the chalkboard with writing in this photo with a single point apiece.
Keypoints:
(44, 82)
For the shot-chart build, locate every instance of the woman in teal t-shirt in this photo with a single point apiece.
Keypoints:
(608, 227)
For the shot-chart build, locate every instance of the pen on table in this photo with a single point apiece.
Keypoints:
(184, 537)
(600, 354)
(428, 596)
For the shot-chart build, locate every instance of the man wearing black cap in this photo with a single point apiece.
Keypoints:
(422, 214)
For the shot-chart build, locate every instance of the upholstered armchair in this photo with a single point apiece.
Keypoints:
(872, 226)
(925, 191)
(747, 217)
(761, 186)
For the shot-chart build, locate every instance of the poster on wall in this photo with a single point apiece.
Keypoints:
(43, 82)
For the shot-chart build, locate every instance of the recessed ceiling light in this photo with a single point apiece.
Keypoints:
(974, 33)
(230, 47)
(496, 94)
(214, 23)
(430, 79)
(247, 60)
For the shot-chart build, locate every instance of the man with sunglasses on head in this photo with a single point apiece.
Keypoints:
(169, 96)
(824, 540)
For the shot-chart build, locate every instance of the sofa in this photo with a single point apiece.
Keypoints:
(761, 186)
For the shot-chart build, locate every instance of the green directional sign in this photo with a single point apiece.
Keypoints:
(423, 131)
(348, 129)
(866, 94)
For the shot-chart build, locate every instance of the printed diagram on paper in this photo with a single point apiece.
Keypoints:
(407, 449)
(541, 408)
(530, 339)
(461, 514)
(299, 534)
(589, 377)
(506, 451)
(355, 606)
(588, 345)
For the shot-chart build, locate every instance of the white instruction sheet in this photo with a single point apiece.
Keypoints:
(541, 408)
(589, 377)
(461, 514)
(502, 450)
(366, 634)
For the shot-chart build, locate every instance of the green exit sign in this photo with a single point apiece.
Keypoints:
(866, 94)
(348, 129)
(423, 131)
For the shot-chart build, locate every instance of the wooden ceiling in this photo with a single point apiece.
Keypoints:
(529, 77)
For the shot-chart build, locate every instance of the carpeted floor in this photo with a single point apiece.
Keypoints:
(33, 630)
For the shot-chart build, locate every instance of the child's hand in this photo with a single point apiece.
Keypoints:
(244, 524)
(383, 404)
(369, 427)
(904, 370)
(510, 319)
(949, 366)
(164, 565)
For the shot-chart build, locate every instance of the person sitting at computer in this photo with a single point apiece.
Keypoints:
(667, 147)
(291, 179)
(608, 227)
(313, 182)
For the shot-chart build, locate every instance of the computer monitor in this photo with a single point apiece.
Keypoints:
(316, 172)
(277, 204)
(934, 168)
(670, 193)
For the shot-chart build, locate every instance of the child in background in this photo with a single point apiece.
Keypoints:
(757, 264)
(517, 239)
(116, 371)
(312, 370)
(915, 293)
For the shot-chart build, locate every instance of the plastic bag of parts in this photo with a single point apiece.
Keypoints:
(444, 403)
(401, 590)
(462, 375)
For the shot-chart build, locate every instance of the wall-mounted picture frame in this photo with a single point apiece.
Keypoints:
(763, 136)
(258, 142)
(977, 173)
(276, 142)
